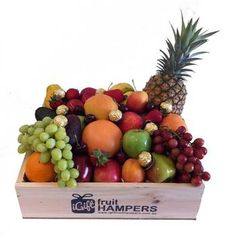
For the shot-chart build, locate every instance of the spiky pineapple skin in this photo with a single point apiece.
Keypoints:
(161, 88)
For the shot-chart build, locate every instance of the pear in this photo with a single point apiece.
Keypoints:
(82, 121)
(162, 170)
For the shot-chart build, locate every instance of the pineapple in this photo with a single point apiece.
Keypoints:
(173, 67)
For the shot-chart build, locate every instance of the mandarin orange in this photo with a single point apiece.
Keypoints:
(173, 121)
(36, 171)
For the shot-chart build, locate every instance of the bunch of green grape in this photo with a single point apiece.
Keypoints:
(53, 144)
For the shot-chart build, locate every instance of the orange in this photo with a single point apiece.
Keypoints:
(173, 121)
(100, 105)
(36, 171)
(102, 135)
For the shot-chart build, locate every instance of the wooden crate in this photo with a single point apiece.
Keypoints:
(108, 200)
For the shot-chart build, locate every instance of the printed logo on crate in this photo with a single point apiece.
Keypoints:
(83, 204)
(86, 204)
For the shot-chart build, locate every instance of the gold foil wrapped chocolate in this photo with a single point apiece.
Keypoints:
(60, 120)
(115, 115)
(145, 159)
(166, 107)
(59, 94)
(100, 91)
(62, 110)
(150, 127)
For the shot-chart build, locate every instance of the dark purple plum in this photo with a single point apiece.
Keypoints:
(85, 168)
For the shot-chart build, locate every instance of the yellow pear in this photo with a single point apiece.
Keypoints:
(49, 93)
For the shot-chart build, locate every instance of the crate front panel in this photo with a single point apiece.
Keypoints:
(110, 200)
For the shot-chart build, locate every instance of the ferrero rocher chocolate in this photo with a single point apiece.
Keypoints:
(62, 110)
(59, 94)
(100, 91)
(115, 115)
(150, 127)
(145, 159)
(60, 120)
(166, 107)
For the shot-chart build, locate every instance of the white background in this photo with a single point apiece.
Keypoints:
(82, 43)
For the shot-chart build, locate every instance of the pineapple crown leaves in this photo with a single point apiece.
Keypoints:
(180, 54)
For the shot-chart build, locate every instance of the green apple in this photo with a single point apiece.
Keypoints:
(162, 169)
(136, 141)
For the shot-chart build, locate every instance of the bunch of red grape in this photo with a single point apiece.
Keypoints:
(185, 153)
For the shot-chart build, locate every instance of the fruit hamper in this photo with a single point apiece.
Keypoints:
(117, 152)
(108, 200)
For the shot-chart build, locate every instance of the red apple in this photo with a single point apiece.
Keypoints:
(116, 94)
(74, 105)
(54, 104)
(110, 172)
(72, 93)
(137, 101)
(86, 93)
(154, 116)
(130, 120)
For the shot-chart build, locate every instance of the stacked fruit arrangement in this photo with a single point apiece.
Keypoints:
(120, 134)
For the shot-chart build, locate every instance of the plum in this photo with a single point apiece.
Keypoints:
(73, 129)
(42, 112)
(85, 168)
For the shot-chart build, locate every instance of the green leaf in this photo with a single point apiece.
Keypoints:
(195, 36)
(197, 44)
(194, 59)
(173, 30)
(102, 157)
(198, 53)
(187, 33)
(179, 54)
(165, 55)
(205, 35)
(185, 75)
(183, 24)
(190, 64)
(195, 24)
(187, 70)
